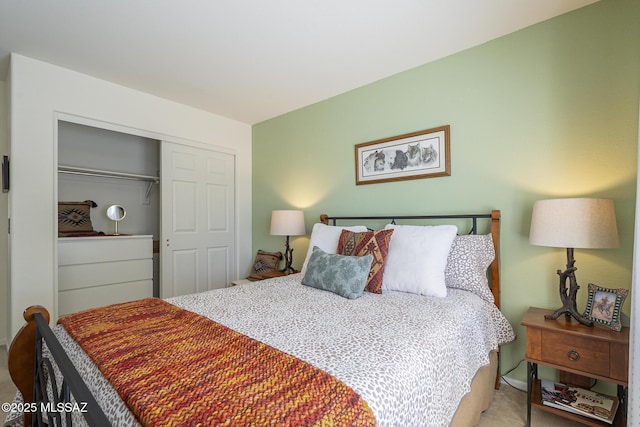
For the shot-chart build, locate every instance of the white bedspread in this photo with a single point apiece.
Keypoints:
(412, 358)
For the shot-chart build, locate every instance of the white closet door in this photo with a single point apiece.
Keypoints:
(198, 219)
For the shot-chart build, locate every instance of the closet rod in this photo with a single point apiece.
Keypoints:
(109, 174)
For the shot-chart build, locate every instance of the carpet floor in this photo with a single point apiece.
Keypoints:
(507, 409)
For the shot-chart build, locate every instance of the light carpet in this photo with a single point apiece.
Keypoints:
(509, 409)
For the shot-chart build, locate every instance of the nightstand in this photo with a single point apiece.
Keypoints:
(579, 352)
(272, 274)
(267, 275)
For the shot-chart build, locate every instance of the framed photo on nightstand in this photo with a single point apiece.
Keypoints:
(604, 306)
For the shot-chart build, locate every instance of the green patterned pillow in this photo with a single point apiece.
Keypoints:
(340, 274)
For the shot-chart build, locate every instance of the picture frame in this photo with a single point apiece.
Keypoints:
(416, 155)
(604, 306)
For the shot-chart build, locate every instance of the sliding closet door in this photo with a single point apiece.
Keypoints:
(198, 219)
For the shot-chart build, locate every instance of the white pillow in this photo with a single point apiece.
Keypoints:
(417, 259)
(326, 238)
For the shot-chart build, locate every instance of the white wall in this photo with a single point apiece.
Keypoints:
(39, 92)
(4, 209)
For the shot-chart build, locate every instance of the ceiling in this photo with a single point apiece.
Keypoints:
(251, 60)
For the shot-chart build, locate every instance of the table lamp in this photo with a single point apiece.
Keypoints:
(582, 223)
(287, 223)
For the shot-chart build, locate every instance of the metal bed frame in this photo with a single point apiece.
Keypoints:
(72, 384)
(32, 371)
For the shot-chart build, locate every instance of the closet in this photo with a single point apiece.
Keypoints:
(108, 168)
(183, 245)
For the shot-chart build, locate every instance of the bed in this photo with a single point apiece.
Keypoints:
(404, 356)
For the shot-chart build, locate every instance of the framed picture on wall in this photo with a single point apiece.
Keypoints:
(422, 154)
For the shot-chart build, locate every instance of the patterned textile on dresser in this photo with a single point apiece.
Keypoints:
(375, 243)
(74, 218)
(174, 367)
(264, 262)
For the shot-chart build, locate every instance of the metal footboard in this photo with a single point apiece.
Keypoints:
(58, 412)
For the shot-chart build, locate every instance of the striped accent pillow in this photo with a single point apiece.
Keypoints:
(375, 243)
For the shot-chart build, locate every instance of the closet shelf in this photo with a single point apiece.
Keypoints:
(72, 170)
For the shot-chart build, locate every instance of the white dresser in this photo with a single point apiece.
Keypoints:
(97, 271)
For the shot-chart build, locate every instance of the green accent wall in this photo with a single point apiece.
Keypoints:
(549, 111)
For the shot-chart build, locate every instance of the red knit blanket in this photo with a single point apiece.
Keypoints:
(173, 367)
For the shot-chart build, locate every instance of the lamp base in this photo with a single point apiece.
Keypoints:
(568, 295)
(288, 258)
(569, 312)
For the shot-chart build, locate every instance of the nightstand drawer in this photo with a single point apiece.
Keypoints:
(575, 352)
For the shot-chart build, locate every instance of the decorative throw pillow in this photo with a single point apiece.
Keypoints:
(467, 264)
(74, 217)
(264, 262)
(417, 259)
(340, 274)
(375, 243)
(326, 238)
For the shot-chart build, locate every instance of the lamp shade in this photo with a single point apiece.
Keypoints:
(583, 223)
(287, 223)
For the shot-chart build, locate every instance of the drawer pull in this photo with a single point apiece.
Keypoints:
(573, 356)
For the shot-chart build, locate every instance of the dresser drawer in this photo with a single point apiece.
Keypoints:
(82, 299)
(97, 271)
(88, 250)
(575, 352)
(103, 273)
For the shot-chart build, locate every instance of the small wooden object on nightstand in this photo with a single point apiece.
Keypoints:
(578, 351)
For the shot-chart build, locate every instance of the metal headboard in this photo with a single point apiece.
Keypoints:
(392, 218)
